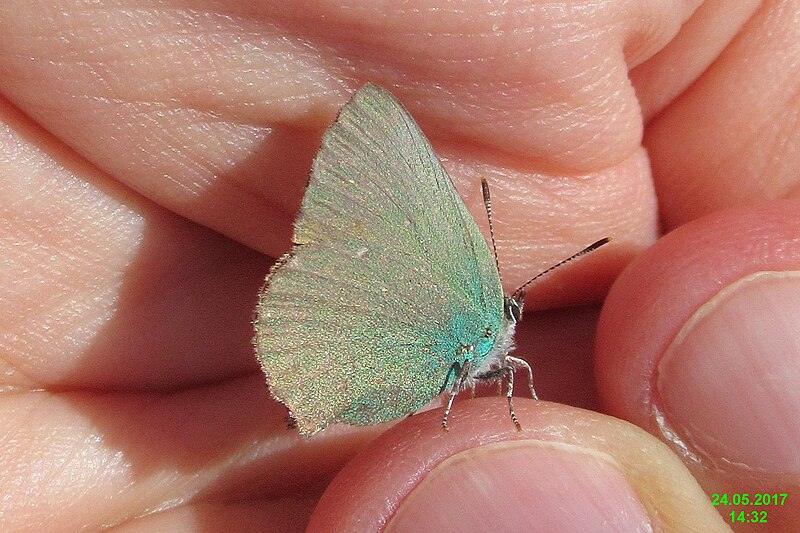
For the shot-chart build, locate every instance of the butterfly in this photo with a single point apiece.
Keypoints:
(391, 295)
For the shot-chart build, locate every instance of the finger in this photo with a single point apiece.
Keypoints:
(698, 343)
(285, 515)
(483, 474)
(216, 114)
(96, 460)
(730, 138)
(701, 39)
(102, 289)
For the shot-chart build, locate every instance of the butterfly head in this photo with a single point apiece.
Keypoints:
(512, 306)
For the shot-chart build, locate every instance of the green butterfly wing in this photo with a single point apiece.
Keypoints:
(389, 277)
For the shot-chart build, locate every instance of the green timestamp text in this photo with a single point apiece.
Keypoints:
(748, 517)
(745, 498)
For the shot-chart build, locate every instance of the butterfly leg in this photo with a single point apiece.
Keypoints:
(510, 394)
(518, 363)
(506, 370)
(472, 390)
(458, 383)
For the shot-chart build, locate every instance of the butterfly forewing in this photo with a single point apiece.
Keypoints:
(362, 321)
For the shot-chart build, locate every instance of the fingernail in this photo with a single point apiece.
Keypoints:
(729, 384)
(523, 486)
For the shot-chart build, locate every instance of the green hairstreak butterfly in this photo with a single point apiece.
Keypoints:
(390, 295)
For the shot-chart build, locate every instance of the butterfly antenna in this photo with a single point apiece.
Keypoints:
(592, 247)
(487, 202)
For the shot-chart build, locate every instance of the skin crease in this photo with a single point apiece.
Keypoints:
(152, 156)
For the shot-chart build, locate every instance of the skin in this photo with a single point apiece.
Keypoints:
(153, 157)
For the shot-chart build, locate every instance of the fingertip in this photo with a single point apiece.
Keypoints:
(697, 342)
(568, 468)
(657, 294)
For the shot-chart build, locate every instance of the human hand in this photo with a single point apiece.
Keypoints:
(131, 384)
